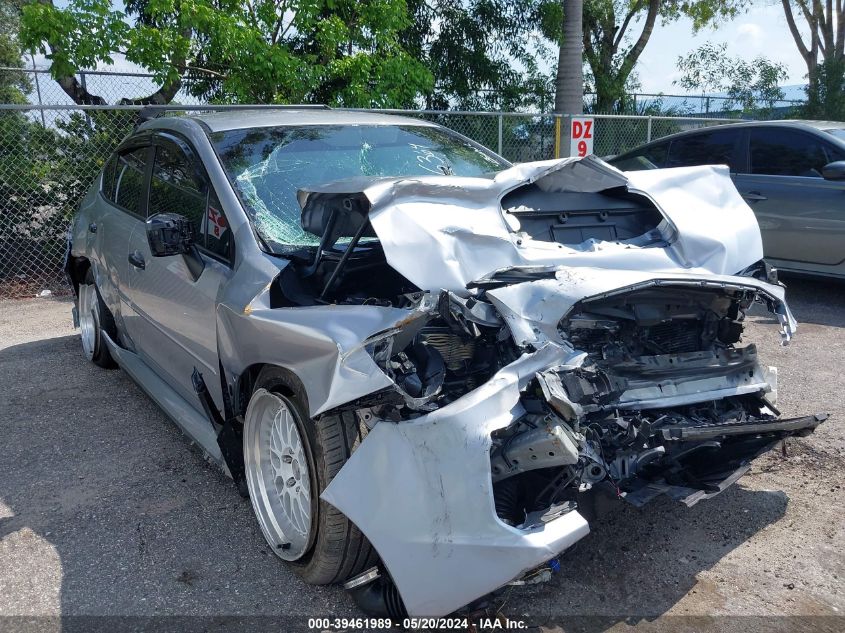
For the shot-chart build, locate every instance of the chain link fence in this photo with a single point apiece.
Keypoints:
(110, 86)
(197, 88)
(49, 154)
(44, 172)
(704, 105)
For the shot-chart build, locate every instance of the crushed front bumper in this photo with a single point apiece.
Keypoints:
(421, 492)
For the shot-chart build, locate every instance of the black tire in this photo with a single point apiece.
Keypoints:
(103, 322)
(338, 549)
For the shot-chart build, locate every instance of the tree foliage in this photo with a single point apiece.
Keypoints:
(13, 85)
(826, 93)
(823, 53)
(342, 52)
(44, 173)
(617, 31)
(749, 85)
(481, 53)
(469, 54)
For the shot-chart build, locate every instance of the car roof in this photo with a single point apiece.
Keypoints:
(237, 119)
(819, 125)
(787, 123)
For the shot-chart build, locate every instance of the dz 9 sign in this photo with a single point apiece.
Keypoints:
(581, 136)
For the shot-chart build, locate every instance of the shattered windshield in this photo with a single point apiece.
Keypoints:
(268, 165)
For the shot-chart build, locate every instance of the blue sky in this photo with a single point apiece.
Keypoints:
(760, 31)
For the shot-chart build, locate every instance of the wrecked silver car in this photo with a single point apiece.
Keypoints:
(422, 364)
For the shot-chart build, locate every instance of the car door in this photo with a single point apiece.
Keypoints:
(177, 328)
(801, 215)
(121, 210)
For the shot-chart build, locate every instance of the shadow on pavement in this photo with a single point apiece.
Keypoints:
(821, 302)
(639, 563)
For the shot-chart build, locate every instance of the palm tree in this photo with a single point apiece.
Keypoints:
(569, 86)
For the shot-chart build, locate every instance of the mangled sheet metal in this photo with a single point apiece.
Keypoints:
(518, 343)
(435, 529)
(460, 226)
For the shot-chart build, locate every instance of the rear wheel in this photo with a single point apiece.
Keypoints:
(93, 317)
(290, 459)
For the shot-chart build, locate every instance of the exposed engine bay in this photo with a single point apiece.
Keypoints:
(627, 416)
(609, 421)
(520, 347)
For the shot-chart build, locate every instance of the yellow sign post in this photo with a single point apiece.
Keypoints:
(557, 136)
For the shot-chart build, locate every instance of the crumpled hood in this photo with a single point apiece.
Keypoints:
(444, 232)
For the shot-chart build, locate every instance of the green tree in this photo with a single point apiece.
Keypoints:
(826, 93)
(823, 53)
(615, 33)
(481, 52)
(752, 86)
(342, 52)
(13, 85)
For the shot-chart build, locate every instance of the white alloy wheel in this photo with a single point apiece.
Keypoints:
(278, 474)
(89, 319)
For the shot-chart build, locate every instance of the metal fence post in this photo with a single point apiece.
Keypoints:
(648, 132)
(500, 133)
(38, 90)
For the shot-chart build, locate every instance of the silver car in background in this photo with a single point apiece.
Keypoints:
(791, 174)
(425, 366)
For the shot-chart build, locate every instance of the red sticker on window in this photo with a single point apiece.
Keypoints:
(216, 222)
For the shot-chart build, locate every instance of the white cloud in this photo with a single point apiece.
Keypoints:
(749, 34)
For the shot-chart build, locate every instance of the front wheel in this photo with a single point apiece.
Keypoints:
(290, 459)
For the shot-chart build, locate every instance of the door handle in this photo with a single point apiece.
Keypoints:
(92, 228)
(754, 196)
(137, 260)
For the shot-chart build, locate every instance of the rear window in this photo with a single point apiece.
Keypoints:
(109, 178)
(707, 148)
(653, 157)
(129, 180)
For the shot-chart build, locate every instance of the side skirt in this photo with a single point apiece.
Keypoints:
(192, 422)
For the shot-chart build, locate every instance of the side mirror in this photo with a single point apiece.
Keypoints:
(834, 171)
(173, 234)
(169, 234)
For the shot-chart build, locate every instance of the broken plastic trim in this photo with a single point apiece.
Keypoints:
(698, 433)
(229, 439)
